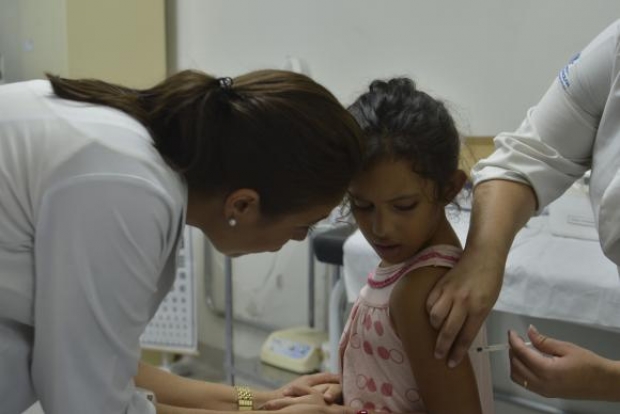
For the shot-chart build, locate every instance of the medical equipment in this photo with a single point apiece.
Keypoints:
(295, 349)
(300, 349)
(173, 328)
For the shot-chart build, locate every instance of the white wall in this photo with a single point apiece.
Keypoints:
(491, 59)
(9, 35)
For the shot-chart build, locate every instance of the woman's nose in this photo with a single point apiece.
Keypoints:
(300, 235)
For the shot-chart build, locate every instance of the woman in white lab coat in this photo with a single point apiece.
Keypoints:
(575, 127)
(96, 184)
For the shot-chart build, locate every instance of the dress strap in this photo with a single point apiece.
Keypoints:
(440, 255)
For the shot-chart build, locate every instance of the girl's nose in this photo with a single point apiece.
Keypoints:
(379, 225)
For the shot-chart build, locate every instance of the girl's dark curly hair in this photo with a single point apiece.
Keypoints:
(400, 122)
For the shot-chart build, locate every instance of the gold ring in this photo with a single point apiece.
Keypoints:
(524, 383)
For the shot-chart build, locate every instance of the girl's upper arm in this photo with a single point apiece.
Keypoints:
(443, 390)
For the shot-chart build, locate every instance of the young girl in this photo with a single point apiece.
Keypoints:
(410, 174)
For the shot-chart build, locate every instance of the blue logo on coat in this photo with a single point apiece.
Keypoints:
(563, 76)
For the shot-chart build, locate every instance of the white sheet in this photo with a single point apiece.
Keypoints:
(546, 276)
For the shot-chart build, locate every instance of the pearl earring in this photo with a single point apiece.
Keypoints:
(232, 222)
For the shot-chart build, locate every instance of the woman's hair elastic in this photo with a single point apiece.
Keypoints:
(225, 82)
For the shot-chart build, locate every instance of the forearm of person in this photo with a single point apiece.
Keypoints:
(299, 409)
(170, 409)
(177, 391)
(500, 209)
(609, 382)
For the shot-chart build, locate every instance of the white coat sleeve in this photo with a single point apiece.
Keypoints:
(553, 145)
(99, 248)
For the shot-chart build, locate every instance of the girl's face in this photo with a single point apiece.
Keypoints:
(395, 209)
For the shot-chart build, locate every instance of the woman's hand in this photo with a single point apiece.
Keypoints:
(562, 370)
(327, 383)
(332, 393)
(298, 394)
(318, 389)
(459, 303)
(461, 300)
(313, 409)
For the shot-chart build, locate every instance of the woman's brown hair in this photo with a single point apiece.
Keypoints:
(276, 132)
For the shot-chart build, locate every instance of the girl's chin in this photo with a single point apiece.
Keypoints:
(389, 254)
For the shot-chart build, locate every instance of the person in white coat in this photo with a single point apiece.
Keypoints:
(574, 128)
(96, 184)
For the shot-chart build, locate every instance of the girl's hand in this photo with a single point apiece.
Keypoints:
(332, 393)
(327, 383)
(313, 409)
(560, 369)
(298, 395)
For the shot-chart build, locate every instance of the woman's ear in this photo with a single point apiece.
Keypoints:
(458, 180)
(243, 206)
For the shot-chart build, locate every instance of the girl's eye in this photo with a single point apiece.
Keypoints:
(406, 207)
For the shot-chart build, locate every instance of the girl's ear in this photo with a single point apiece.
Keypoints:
(458, 180)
